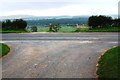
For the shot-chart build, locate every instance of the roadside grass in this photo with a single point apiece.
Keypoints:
(65, 29)
(4, 49)
(13, 31)
(106, 29)
(109, 64)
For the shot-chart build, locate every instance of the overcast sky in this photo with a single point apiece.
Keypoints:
(58, 7)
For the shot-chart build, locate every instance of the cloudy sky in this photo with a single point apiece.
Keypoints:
(58, 7)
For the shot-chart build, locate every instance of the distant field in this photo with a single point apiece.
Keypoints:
(74, 29)
(62, 29)
(66, 29)
(43, 29)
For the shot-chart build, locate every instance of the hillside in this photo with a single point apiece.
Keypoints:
(62, 21)
(46, 20)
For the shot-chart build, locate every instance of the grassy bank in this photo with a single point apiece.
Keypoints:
(4, 49)
(109, 66)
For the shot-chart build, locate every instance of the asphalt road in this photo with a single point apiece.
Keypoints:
(55, 55)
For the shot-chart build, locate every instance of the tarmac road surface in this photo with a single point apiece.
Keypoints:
(55, 55)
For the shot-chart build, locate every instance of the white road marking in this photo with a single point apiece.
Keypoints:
(47, 41)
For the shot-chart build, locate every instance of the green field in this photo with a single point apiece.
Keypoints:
(109, 64)
(69, 29)
(43, 29)
(4, 49)
(65, 29)
(62, 29)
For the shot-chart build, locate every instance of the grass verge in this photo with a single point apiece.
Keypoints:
(106, 29)
(4, 49)
(108, 65)
(13, 31)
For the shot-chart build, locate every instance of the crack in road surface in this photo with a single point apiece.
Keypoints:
(55, 58)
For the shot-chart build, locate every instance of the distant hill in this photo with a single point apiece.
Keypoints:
(15, 17)
(46, 20)
(30, 17)
(114, 16)
(61, 21)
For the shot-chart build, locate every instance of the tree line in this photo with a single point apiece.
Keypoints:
(103, 21)
(17, 24)
(93, 21)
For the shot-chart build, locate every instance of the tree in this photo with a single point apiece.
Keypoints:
(17, 24)
(7, 24)
(99, 21)
(116, 22)
(92, 21)
(3, 24)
